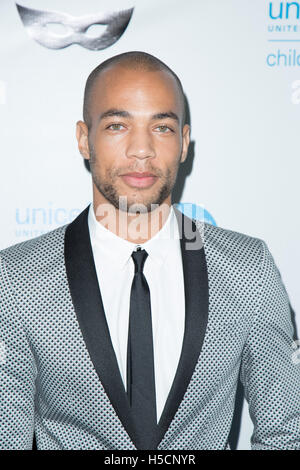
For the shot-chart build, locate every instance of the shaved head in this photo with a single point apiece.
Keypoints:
(135, 60)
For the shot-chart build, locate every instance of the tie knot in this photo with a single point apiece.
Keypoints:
(139, 258)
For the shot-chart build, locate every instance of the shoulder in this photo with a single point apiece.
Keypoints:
(231, 249)
(35, 254)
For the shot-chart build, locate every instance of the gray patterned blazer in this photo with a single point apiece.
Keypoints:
(59, 374)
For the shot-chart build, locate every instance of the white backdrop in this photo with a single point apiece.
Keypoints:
(238, 61)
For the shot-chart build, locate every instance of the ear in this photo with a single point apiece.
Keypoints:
(82, 133)
(185, 142)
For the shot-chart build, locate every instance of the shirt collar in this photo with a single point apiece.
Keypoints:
(119, 250)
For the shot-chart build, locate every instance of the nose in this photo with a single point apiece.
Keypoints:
(140, 144)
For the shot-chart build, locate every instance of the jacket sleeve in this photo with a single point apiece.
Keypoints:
(17, 373)
(270, 368)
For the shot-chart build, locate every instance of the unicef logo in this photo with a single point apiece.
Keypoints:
(195, 212)
(35, 221)
(32, 222)
(284, 29)
(284, 10)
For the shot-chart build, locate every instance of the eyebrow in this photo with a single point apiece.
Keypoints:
(126, 114)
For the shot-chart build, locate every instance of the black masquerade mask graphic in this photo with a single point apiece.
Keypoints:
(37, 23)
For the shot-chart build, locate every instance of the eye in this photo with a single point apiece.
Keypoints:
(163, 129)
(115, 127)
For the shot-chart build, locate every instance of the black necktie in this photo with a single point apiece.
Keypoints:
(140, 358)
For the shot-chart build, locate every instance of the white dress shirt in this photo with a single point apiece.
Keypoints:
(164, 274)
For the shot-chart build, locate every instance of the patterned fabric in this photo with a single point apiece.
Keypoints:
(48, 384)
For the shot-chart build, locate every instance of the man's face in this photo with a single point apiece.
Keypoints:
(136, 127)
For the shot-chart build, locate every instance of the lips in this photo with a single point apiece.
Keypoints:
(139, 174)
(139, 179)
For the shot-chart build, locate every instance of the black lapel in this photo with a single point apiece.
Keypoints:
(87, 301)
(196, 317)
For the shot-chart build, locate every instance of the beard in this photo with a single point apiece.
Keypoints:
(137, 201)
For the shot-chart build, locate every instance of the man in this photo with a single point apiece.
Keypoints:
(130, 327)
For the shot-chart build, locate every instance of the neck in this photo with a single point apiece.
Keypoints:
(136, 228)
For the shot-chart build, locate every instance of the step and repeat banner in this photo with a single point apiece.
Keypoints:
(239, 62)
